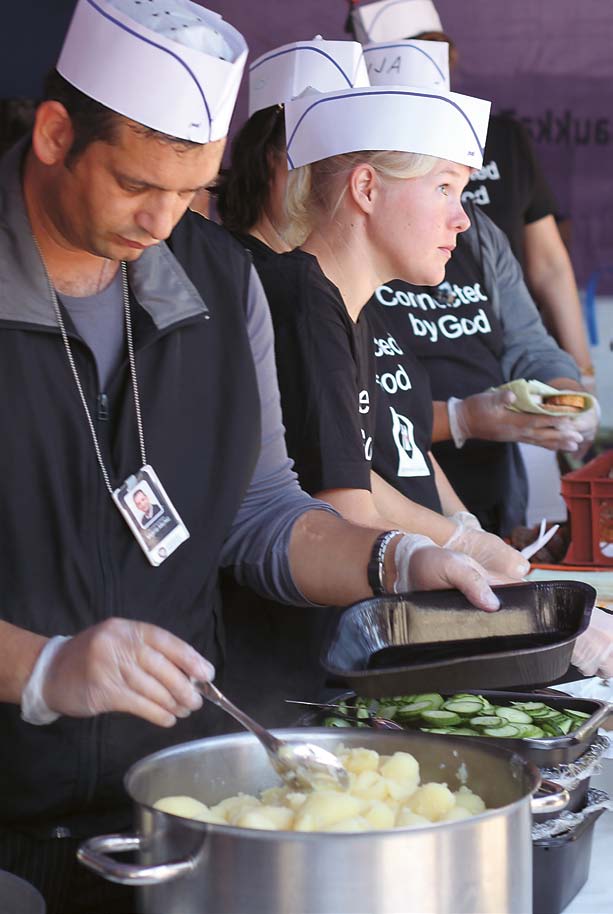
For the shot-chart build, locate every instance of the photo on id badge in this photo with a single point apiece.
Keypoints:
(151, 515)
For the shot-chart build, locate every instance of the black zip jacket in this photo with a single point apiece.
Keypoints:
(68, 557)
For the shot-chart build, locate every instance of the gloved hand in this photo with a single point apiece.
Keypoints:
(593, 650)
(465, 519)
(587, 424)
(490, 552)
(421, 565)
(121, 665)
(485, 416)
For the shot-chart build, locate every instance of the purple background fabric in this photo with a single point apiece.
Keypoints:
(548, 61)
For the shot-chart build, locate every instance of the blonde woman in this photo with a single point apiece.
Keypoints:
(366, 215)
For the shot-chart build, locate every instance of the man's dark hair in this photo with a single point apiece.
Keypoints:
(243, 188)
(92, 121)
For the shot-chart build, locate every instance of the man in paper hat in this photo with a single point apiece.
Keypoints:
(130, 359)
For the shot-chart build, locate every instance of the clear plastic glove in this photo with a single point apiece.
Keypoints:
(593, 650)
(121, 665)
(465, 519)
(490, 552)
(421, 565)
(485, 416)
(587, 424)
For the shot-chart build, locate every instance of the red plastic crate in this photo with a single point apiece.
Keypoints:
(588, 493)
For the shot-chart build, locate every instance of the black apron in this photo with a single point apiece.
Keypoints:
(403, 436)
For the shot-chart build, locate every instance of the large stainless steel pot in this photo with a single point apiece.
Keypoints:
(482, 864)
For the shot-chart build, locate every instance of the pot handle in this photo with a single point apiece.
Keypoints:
(556, 798)
(94, 852)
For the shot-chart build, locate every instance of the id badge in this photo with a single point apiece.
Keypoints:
(150, 515)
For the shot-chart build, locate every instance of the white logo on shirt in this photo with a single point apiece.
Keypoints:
(393, 381)
(363, 402)
(480, 195)
(367, 445)
(461, 295)
(411, 461)
(450, 326)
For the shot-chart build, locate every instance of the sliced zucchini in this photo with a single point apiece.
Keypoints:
(337, 722)
(463, 707)
(530, 731)
(408, 712)
(441, 718)
(580, 715)
(436, 701)
(507, 731)
(513, 715)
(484, 721)
(529, 706)
(387, 711)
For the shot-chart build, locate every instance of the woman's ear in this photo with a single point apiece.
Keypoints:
(364, 186)
(53, 133)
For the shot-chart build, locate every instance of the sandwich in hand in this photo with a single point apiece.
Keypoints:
(536, 397)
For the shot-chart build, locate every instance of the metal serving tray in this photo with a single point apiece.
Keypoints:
(437, 641)
(545, 753)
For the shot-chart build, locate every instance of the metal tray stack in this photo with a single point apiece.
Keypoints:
(437, 641)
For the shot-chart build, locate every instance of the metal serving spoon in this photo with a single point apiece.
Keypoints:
(298, 764)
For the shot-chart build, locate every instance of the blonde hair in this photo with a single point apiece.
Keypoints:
(318, 189)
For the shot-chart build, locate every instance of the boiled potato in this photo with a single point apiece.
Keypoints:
(324, 808)
(469, 801)
(272, 818)
(433, 801)
(384, 792)
(188, 808)
(380, 816)
(402, 766)
(357, 823)
(458, 812)
(233, 808)
(370, 785)
(406, 818)
(358, 760)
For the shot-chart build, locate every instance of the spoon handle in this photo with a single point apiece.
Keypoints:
(213, 694)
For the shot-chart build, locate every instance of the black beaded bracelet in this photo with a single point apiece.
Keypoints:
(376, 565)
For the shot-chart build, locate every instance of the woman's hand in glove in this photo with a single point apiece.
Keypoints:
(499, 560)
(593, 650)
(121, 665)
(486, 416)
(420, 565)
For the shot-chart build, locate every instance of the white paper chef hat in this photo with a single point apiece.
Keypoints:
(168, 64)
(400, 118)
(288, 71)
(389, 20)
(408, 63)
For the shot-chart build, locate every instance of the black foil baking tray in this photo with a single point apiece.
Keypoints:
(437, 641)
(561, 866)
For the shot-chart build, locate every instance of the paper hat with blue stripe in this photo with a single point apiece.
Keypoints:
(395, 118)
(408, 63)
(288, 71)
(170, 65)
(389, 20)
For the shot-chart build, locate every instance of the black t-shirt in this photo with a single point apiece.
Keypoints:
(454, 332)
(403, 435)
(510, 186)
(325, 366)
(258, 249)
